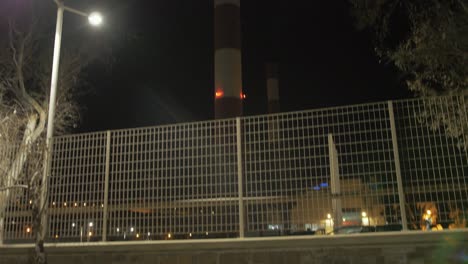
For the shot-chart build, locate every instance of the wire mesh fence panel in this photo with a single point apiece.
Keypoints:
(287, 169)
(76, 187)
(174, 181)
(432, 134)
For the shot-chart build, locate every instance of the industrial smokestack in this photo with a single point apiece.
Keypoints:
(228, 69)
(272, 88)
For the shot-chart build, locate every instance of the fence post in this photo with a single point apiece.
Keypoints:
(240, 180)
(401, 192)
(337, 209)
(106, 188)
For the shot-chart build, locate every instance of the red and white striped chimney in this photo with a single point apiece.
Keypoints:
(228, 66)
(272, 88)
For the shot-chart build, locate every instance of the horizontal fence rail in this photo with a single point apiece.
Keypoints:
(373, 167)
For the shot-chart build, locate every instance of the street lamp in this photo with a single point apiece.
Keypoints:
(94, 19)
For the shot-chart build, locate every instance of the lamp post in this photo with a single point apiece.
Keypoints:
(94, 19)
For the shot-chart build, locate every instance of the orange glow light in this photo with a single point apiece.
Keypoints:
(219, 93)
(243, 96)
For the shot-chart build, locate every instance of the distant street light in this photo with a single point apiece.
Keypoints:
(365, 219)
(94, 19)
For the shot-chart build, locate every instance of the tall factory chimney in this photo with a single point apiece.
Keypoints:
(228, 69)
(272, 88)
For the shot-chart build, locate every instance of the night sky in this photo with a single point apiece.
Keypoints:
(161, 67)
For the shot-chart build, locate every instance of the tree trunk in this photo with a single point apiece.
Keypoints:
(39, 251)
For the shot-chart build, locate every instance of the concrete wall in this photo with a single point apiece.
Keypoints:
(387, 248)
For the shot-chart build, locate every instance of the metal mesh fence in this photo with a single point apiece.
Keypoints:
(370, 167)
(288, 169)
(173, 181)
(76, 186)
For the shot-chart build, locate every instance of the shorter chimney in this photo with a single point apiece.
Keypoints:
(272, 88)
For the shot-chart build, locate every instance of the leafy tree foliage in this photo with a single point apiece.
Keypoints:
(426, 39)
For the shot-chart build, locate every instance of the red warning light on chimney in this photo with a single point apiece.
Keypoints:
(219, 93)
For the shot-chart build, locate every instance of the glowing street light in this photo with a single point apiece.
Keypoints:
(329, 223)
(95, 18)
(365, 219)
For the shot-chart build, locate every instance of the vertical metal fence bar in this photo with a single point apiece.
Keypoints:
(106, 188)
(335, 182)
(396, 156)
(240, 181)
